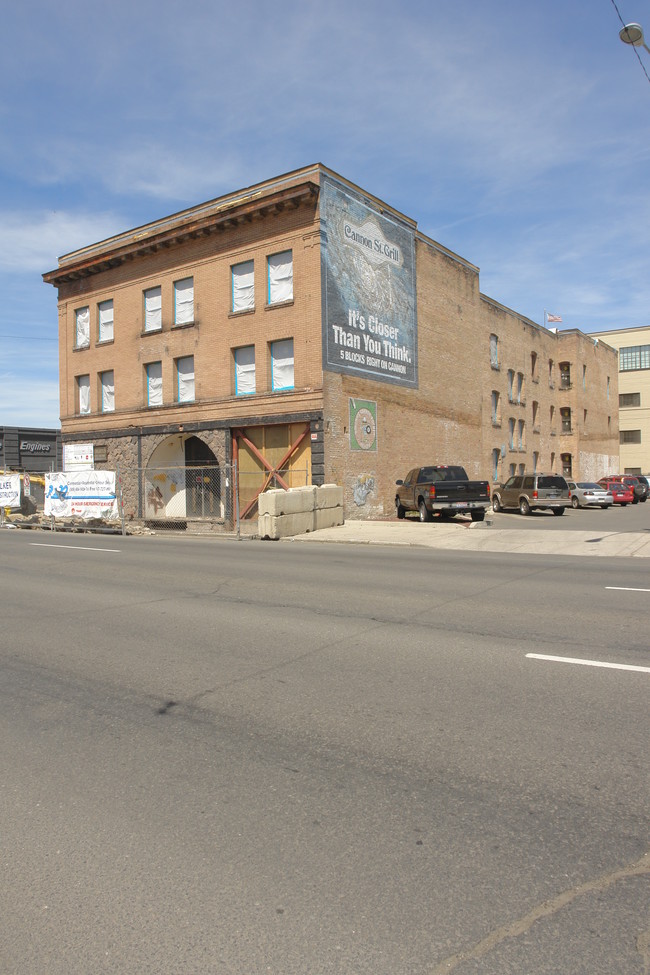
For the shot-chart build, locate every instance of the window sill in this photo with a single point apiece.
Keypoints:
(80, 348)
(279, 304)
(151, 331)
(178, 325)
(496, 424)
(104, 342)
(242, 311)
(495, 366)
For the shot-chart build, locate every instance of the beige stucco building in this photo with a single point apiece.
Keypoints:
(633, 346)
(306, 329)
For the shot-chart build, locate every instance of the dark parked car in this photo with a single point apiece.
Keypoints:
(638, 485)
(529, 492)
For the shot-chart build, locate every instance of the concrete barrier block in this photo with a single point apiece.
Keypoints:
(281, 526)
(329, 496)
(328, 517)
(280, 502)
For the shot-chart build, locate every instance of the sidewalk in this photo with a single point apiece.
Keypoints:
(484, 537)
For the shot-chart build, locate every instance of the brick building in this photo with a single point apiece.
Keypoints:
(311, 333)
(633, 346)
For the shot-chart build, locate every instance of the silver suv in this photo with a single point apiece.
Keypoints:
(528, 492)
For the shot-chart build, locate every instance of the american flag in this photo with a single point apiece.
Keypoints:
(553, 318)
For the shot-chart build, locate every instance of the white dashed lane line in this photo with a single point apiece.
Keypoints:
(587, 663)
(626, 589)
(73, 548)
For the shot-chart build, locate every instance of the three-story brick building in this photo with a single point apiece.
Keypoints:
(311, 333)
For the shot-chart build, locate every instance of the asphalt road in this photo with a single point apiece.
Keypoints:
(223, 757)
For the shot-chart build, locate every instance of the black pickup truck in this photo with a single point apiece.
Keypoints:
(442, 490)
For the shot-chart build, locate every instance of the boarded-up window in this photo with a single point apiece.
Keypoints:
(243, 286)
(108, 391)
(82, 327)
(152, 309)
(105, 314)
(83, 394)
(184, 301)
(281, 277)
(245, 370)
(185, 378)
(282, 364)
(154, 384)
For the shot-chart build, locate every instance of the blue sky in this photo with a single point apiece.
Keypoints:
(516, 133)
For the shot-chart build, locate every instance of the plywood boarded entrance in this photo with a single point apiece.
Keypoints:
(277, 456)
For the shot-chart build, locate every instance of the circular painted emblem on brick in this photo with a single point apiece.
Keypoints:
(364, 429)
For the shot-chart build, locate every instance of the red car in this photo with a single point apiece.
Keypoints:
(623, 493)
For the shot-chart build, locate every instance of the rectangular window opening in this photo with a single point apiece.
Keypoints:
(153, 309)
(185, 379)
(184, 301)
(244, 370)
(105, 319)
(153, 373)
(282, 365)
(82, 328)
(107, 382)
(243, 286)
(280, 277)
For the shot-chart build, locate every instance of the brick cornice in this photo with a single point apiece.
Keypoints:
(175, 230)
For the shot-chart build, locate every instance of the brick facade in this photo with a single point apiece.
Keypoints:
(460, 410)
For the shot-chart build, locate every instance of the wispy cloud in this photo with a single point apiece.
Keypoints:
(513, 141)
(32, 242)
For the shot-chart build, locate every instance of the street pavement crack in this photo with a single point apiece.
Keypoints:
(547, 909)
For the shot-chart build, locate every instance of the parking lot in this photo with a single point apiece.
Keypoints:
(632, 518)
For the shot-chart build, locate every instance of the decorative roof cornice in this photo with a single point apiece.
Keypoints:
(201, 221)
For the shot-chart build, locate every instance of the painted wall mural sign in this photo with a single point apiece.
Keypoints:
(369, 293)
(363, 425)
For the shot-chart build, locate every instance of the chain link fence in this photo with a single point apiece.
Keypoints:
(208, 499)
(181, 497)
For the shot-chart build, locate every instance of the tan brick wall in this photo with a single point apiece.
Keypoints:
(212, 337)
(448, 419)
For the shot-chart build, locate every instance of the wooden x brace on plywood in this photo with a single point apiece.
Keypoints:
(272, 471)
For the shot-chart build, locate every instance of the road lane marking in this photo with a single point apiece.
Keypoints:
(626, 589)
(588, 663)
(73, 548)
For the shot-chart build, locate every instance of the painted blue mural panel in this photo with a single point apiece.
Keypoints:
(369, 293)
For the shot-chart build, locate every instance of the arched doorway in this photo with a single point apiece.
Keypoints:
(202, 480)
(182, 480)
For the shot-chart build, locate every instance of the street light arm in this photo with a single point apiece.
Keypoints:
(633, 34)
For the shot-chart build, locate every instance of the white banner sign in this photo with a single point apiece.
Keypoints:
(81, 494)
(10, 490)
